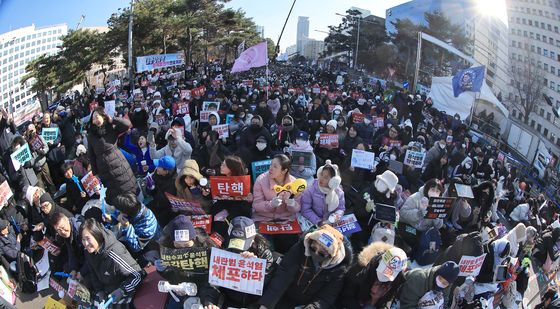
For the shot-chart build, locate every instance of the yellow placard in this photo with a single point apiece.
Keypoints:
(54, 304)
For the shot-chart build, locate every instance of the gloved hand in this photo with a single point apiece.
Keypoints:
(150, 184)
(526, 262)
(117, 295)
(370, 206)
(291, 202)
(276, 202)
(159, 265)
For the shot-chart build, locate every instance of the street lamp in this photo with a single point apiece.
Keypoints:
(358, 21)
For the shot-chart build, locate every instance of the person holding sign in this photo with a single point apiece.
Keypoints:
(76, 194)
(178, 237)
(190, 185)
(323, 202)
(142, 153)
(300, 170)
(415, 208)
(212, 154)
(113, 272)
(311, 274)
(107, 161)
(270, 206)
(39, 149)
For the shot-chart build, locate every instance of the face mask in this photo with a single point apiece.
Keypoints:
(438, 284)
(261, 146)
(137, 109)
(432, 193)
(468, 166)
(441, 146)
(323, 122)
(380, 186)
(393, 157)
(300, 141)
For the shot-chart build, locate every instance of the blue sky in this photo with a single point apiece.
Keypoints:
(270, 14)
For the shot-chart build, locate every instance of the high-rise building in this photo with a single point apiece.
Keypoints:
(365, 13)
(18, 48)
(534, 41)
(302, 33)
(260, 31)
(312, 48)
(488, 33)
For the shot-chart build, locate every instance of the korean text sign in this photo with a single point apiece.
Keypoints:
(347, 225)
(260, 167)
(21, 156)
(471, 265)
(91, 183)
(184, 206)
(148, 63)
(191, 259)
(49, 134)
(362, 159)
(231, 271)
(414, 158)
(289, 227)
(439, 207)
(230, 187)
(328, 139)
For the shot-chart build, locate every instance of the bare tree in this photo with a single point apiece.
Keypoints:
(528, 85)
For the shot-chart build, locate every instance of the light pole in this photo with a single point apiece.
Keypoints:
(358, 21)
(130, 72)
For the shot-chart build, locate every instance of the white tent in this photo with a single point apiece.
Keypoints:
(442, 96)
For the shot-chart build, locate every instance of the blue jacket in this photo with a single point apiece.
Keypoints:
(140, 156)
(142, 228)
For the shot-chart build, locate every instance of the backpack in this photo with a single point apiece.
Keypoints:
(27, 274)
(430, 244)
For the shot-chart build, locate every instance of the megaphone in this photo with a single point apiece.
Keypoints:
(295, 187)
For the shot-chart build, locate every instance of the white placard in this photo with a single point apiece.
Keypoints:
(362, 159)
(231, 271)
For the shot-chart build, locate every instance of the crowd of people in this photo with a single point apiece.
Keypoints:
(160, 141)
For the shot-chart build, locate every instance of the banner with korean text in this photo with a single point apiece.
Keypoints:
(230, 187)
(231, 271)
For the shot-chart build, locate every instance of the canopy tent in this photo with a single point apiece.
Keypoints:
(442, 96)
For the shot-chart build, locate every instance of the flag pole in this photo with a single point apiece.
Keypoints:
(267, 83)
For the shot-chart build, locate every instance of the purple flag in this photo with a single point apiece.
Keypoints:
(252, 57)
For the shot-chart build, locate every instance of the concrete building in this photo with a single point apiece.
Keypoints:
(365, 13)
(260, 31)
(95, 76)
(302, 33)
(488, 33)
(313, 48)
(290, 50)
(534, 40)
(18, 48)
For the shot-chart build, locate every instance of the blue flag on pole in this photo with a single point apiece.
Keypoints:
(470, 79)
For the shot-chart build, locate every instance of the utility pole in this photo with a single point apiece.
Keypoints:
(130, 71)
(358, 19)
(80, 22)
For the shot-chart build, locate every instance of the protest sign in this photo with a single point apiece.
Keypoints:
(501, 156)
(230, 187)
(37, 143)
(301, 158)
(347, 225)
(289, 227)
(151, 62)
(176, 75)
(222, 129)
(185, 94)
(204, 115)
(394, 144)
(231, 271)
(191, 259)
(110, 108)
(316, 89)
(362, 159)
(210, 106)
(328, 139)
(385, 213)
(54, 304)
(7, 290)
(5, 193)
(198, 92)
(203, 222)
(21, 156)
(379, 122)
(49, 134)
(91, 183)
(358, 117)
(48, 245)
(414, 158)
(439, 207)
(180, 108)
(470, 265)
(259, 167)
(464, 190)
(184, 206)
(229, 117)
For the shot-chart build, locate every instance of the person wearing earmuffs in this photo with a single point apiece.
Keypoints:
(323, 202)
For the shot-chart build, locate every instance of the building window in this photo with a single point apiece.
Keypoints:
(532, 123)
(546, 66)
(539, 126)
(552, 70)
(538, 37)
(514, 113)
(541, 112)
(548, 116)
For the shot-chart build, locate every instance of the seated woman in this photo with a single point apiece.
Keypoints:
(223, 211)
(188, 185)
(375, 279)
(211, 154)
(180, 233)
(415, 207)
(112, 272)
(323, 201)
(278, 207)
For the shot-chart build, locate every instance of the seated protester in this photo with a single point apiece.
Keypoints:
(142, 153)
(237, 123)
(112, 271)
(437, 151)
(224, 211)
(139, 229)
(287, 133)
(22, 176)
(180, 233)
(544, 251)
(460, 209)
(244, 240)
(76, 195)
(388, 141)
(351, 141)
(206, 127)
(163, 182)
(39, 149)
(277, 207)
(428, 285)
(325, 152)
(301, 144)
(521, 213)
(176, 148)
(211, 154)
(415, 207)
(436, 169)
(464, 171)
(188, 187)
(81, 165)
(323, 201)
(311, 273)
(374, 280)
(9, 241)
(67, 229)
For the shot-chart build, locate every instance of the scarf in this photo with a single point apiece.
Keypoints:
(331, 199)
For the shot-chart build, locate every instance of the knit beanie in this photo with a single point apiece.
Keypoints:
(449, 271)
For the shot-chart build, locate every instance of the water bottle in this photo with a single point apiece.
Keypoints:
(190, 288)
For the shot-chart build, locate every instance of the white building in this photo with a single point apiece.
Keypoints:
(18, 48)
(260, 31)
(312, 48)
(534, 39)
(302, 32)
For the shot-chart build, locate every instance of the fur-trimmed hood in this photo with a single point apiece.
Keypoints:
(371, 250)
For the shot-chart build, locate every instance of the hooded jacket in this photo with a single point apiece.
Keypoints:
(308, 172)
(418, 282)
(263, 193)
(142, 228)
(297, 281)
(181, 153)
(412, 213)
(434, 153)
(112, 267)
(314, 207)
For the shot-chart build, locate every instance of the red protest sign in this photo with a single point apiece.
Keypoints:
(48, 245)
(90, 183)
(203, 222)
(198, 92)
(248, 83)
(184, 206)
(358, 117)
(395, 143)
(230, 187)
(180, 108)
(328, 139)
(185, 94)
(5, 193)
(289, 227)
